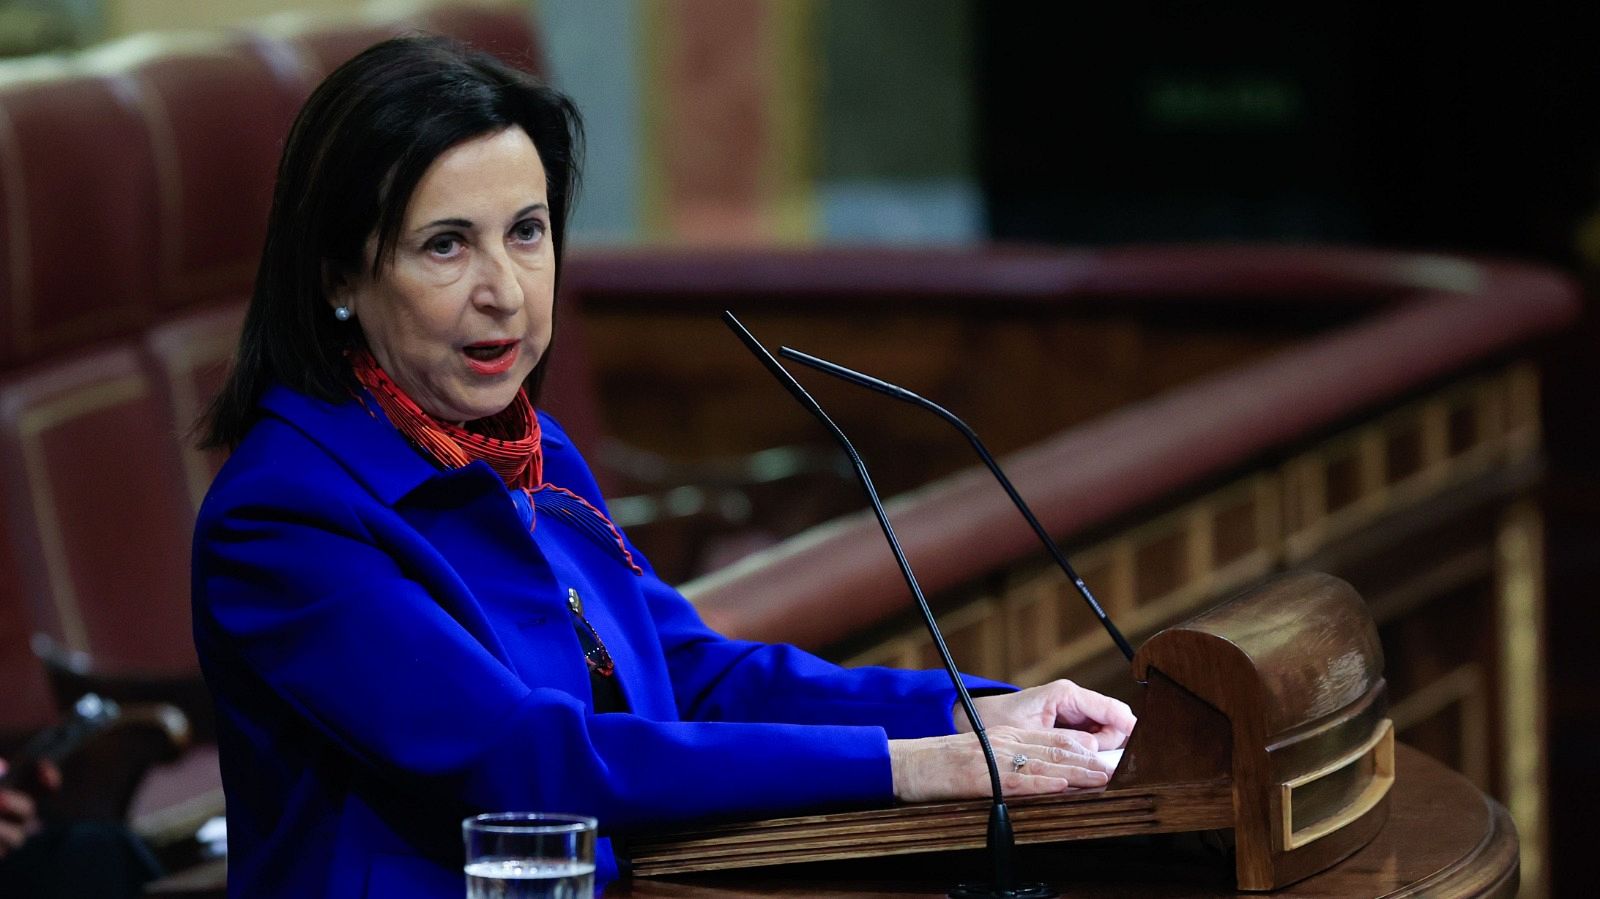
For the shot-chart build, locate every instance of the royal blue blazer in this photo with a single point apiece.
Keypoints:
(390, 649)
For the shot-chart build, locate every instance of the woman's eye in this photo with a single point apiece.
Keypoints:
(444, 245)
(527, 231)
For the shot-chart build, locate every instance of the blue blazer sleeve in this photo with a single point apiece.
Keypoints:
(718, 679)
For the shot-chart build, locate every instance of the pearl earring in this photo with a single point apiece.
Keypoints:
(342, 313)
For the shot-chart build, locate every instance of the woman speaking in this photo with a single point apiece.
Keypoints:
(410, 605)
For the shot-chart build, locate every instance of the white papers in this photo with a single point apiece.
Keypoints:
(1111, 758)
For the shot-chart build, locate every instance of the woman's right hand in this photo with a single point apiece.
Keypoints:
(953, 767)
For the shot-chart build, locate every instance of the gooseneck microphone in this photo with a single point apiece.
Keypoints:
(1001, 840)
(900, 393)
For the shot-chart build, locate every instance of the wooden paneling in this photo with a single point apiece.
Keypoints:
(1421, 507)
(680, 385)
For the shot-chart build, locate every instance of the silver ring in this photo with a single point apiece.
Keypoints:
(1018, 762)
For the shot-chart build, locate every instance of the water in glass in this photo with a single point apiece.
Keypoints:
(522, 878)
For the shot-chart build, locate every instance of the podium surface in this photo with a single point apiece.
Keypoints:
(1443, 838)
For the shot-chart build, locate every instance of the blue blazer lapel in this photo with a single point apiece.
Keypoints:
(468, 518)
(462, 534)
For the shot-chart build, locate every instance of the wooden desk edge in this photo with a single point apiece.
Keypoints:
(1492, 870)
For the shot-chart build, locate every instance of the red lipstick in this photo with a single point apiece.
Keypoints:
(492, 357)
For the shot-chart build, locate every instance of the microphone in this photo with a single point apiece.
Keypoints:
(1001, 839)
(900, 393)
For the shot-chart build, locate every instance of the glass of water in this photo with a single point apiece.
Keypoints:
(529, 855)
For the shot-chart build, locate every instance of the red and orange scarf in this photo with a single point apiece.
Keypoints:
(508, 442)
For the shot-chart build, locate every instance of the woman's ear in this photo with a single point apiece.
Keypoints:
(340, 292)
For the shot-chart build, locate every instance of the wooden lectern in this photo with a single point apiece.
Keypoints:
(1265, 716)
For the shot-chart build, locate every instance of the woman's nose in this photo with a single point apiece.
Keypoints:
(496, 288)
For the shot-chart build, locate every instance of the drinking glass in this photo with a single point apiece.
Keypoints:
(529, 855)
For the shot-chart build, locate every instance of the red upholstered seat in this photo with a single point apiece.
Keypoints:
(25, 701)
(326, 47)
(507, 32)
(98, 511)
(217, 112)
(191, 355)
(77, 213)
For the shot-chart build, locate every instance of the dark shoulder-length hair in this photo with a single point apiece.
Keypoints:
(353, 158)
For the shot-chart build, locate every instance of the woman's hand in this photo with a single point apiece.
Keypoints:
(1102, 722)
(19, 819)
(19, 816)
(953, 767)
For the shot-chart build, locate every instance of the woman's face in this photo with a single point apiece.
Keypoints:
(463, 312)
